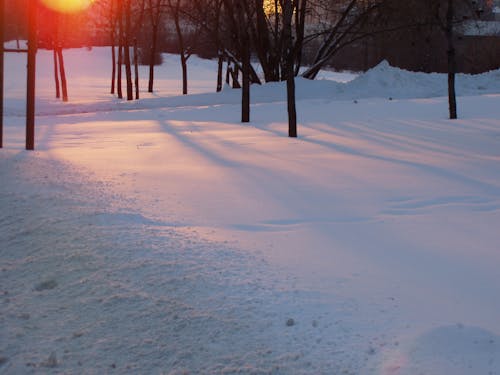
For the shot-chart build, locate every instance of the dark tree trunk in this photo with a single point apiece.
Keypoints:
(128, 72)
(182, 48)
(234, 77)
(184, 74)
(136, 70)
(300, 22)
(128, 62)
(219, 71)
(245, 95)
(152, 57)
(64, 86)
(452, 64)
(155, 12)
(289, 67)
(56, 74)
(228, 71)
(121, 44)
(113, 69)
(119, 72)
(235, 74)
(113, 14)
(245, 62)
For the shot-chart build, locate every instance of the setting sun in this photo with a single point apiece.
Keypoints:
(67, 6)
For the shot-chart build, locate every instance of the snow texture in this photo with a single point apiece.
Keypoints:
(162, 236)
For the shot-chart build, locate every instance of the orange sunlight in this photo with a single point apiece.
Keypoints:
(67, 6)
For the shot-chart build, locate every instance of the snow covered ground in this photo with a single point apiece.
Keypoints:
(162, 236)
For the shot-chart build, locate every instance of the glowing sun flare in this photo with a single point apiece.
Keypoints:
(67, 6)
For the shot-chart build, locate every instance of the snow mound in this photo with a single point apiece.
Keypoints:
(387, 81)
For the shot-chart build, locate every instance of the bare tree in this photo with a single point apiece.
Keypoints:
(156, 11)
(340, 24)
(289, 64)
(186, 38)
(436, 19)
(52, 36)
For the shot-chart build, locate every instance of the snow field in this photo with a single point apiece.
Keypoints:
(162, 236)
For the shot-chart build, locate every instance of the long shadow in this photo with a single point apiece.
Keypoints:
(435, 171)
(197, 147)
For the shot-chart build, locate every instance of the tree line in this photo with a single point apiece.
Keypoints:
(281, 35)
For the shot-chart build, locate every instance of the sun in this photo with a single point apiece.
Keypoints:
(67, 6)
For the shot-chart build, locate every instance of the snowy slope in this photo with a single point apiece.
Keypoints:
(162, 236)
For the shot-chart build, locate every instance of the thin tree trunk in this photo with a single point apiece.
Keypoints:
(136, 70)
(112, 38)
(245, 97)
(452, 99)
(55, 44)
(236, 76)
(64, 86)
(245, 62)
(128, 72)
(300, 21)
(152, 57)
(289, 66)
(452, 64)
(228, 70)
(128, 62)
(113, 68)
(184, 74)
(119, 72)
(56, 73)
(182, 47)
(219, 71)
(120, 48)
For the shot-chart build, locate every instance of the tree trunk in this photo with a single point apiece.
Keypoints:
(235, 74)
(152, 57)
(300, 21)
(136, 70)
(245, 62)
(184, 74)
(126, 46)
(128, 72)
(228, 71)
(64, 86)
(113, 69)
(112, 37)
(452, 64)
(452, 99)
(289, 67)
(219, 71)
(56, 73)
(119, 72)
(120, 48)
(245, 94)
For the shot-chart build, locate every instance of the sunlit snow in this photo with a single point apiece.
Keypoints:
(163, 236)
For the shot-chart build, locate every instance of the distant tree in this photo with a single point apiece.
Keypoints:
(51, 36)
(156, 12)
(289, 66)
(187, 35)
(431, 19)
(208, 15)
(449, 14)
(238, 21)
